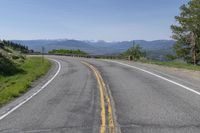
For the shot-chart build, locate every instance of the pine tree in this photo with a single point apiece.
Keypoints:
(187, 32)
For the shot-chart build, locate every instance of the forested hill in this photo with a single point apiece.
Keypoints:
(14, 46)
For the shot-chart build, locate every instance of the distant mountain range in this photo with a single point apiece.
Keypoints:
(154, 49)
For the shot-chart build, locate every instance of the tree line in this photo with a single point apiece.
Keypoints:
(67, 51)
(14, 46)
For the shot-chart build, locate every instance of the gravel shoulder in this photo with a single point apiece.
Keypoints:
(184, 76)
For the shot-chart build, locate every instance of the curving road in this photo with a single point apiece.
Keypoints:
(88, 95)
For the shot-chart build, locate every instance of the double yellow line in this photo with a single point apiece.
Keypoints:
(105, 99)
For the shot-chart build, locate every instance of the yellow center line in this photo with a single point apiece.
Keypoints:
(103, 90)
(103, 114)
(110, 112)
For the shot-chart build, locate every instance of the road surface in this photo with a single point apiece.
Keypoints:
(88, 95)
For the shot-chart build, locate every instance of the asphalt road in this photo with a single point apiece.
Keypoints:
(88, 95)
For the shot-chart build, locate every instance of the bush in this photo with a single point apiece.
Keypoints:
(15, 57)
(7, 67)
(135, 52)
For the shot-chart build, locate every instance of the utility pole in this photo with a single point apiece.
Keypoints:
(133, 43)
(193, 43)
(42, 54)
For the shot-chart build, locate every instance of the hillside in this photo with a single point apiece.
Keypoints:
(17, 71)
(11, 55)
(102, 47)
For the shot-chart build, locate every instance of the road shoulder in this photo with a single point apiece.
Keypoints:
(35, 86)
(185, 77)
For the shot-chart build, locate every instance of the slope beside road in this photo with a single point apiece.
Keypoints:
(72, 102)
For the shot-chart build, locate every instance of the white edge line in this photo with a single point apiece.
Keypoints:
(151, 73)
(27, 99)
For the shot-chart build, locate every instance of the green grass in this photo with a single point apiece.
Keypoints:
(15, 85)
(173, 64)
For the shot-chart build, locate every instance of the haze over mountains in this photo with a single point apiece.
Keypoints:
(153, 48)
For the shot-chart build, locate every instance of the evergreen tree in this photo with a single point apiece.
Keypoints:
(187, 32)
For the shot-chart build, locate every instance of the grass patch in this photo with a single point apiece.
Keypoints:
(14, 85)
(173, 64)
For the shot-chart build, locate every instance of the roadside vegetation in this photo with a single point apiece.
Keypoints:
(67, 52)
(187, 47)
(134, 53)
(10, 46)
(17, 71)
(174, 64)
(187, 32)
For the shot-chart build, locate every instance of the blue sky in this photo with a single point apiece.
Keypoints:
(110, 20)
